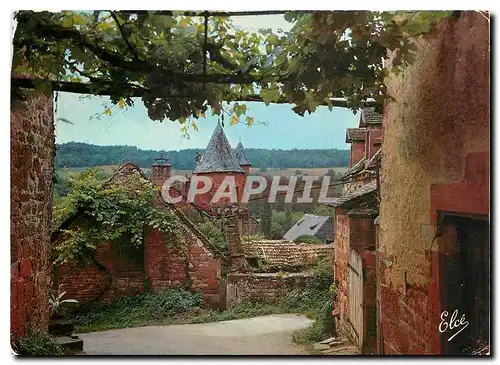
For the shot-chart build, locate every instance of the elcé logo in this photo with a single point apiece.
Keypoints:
(452, 323)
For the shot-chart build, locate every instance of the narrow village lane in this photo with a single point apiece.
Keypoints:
(266, 335)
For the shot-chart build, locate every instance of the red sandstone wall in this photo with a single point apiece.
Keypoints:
(357, 152)
(435, 155)
(164, 266)
(32, 149)
(217, 179)
(341, 274)
(373, 136)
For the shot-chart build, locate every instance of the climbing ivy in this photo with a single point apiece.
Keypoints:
(105, 212)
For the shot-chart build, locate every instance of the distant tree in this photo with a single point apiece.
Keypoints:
(265, 218)
(76, 154)
(324, 210)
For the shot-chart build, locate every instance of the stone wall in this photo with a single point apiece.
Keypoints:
(165, 265)
(357, 152)
(263, 287)
(32, 164)
(341, 261)
(437, 123)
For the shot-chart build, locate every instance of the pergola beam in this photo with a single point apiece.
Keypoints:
(136, 91)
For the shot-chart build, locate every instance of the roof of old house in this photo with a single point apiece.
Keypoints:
(369, 115)
(355, 134)
(126, 171)
(285, 255)
(374, 161)
(242, 158)
(218, 156)
(362, 193)
(311, 225)
(358, 167)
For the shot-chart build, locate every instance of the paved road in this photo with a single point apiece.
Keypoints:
(267, 335)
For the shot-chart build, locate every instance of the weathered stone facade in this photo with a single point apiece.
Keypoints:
(435, 155)
(32, 164)
(263, 287)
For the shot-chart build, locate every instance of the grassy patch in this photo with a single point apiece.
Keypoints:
(38, 344)
(140, 310)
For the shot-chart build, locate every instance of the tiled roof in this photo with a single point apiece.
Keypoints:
(286, 255)
(242, 158)
(369, 116)
(358, 167)
(363, 191)
(355, 134)
(218, 156)
(312, 225)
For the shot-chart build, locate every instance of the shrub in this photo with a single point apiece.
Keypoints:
(308, 239)
(214, 234)
(38, 344)
(137, 310)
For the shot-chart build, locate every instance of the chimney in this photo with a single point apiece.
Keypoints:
(160, 171)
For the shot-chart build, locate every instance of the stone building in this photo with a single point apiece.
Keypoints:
(433, 243)
(354, 234)
(126, 269)
(218, 162)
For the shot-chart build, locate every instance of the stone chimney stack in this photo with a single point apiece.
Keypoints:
(160, 171)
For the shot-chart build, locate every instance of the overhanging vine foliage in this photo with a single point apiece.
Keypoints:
(106, 212)
(182, 66)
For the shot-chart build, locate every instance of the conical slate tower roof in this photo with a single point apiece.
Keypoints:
(218, 156)
(242, 158)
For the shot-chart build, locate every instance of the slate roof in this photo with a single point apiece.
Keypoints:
(355, 134)
(349, 197)
(242, 158)
(218, 156)
(312, 225)
(369, 116)
(285, 255)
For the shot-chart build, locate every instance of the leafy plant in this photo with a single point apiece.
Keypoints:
(214, 234)
(308, 239)
(165, 58)
(110, 210)
(139, 310)
(56, 300)
(38, 344)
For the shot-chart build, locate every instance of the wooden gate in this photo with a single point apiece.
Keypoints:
(356, 298)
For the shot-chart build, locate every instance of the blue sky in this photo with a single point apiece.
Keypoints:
(284, 130)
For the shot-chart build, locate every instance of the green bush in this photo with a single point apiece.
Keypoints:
(38, 344)
(244, 309)
(316, 301)
(137, 310)
(214, 234)
(308, 239)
